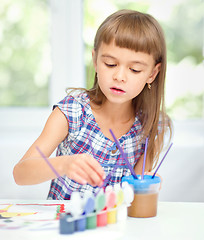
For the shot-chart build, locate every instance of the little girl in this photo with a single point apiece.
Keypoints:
(129, 58)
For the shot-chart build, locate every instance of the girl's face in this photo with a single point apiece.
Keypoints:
(122, 73)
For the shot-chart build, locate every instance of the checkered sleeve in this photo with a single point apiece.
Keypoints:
(73, 111)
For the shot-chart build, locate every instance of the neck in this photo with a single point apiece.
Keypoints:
(118, 117)
(118, 112)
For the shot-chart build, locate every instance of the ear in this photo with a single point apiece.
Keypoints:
(154, 73)
(94, 59)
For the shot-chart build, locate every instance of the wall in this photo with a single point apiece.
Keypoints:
(182, 170)
(184, 165)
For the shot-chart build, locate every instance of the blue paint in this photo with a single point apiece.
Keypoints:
(67, 224)
(80, 223)
(89, 205)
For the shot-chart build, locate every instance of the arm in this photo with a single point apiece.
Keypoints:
(32, 169)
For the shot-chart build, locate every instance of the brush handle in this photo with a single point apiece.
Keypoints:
(92, 150)
(144, 159)
(123, 154)
(53, 169)
(107, 179)
(162, 160)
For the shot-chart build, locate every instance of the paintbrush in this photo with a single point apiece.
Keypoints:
(53, 169)
(123, 155)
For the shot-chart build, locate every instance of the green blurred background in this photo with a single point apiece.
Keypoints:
(25, 51)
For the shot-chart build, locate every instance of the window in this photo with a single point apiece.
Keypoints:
(34, 34)
(25, 53)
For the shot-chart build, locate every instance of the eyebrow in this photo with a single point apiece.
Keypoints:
(134, 62)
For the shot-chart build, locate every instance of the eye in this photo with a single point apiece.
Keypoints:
(110, 65)
(134, 70)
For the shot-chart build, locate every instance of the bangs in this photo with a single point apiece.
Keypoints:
(135, 32)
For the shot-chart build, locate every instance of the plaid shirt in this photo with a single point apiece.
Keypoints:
(83, 124)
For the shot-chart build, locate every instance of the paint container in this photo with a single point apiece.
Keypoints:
(91, 220)
(128, 196)
(67, 223)
(89, 205)
(121, 213)
(80, 223)
(102, 218)
(111, 201)
(101, 212)
(128, 193)
(75, 203)
(121, 206)
(111, 198)
(119, 193)
(100, 201)
(146, 193)
(112, 215)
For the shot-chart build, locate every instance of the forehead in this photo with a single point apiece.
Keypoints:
(113, 52)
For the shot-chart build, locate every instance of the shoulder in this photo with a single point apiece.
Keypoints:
(76, 98)
(74, 103)
(135, 134)
(75, 107)
(137, 125)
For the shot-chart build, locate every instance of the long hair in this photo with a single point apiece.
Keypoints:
(142, 33)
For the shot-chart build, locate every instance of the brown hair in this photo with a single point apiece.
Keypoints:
(142, 33)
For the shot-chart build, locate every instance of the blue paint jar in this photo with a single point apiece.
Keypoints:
(80, 223)
(67, 223)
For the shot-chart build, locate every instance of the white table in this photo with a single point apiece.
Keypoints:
(182, 221)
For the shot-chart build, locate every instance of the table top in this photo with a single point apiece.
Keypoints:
(174, 220)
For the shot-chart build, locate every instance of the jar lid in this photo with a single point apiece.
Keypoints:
(141, 183)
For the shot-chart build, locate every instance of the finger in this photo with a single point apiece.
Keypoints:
(95, 165)
(91, 175)
(78, 178)
(85, 173)
(148, 173)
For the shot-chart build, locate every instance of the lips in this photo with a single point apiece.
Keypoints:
(117, 90)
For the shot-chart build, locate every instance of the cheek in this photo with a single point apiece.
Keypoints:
(136, 87)
(102, 74)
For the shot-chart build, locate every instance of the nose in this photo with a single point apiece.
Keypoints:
(119, 74)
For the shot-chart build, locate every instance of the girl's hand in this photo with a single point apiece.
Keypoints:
(151, 173)
(84, 169)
